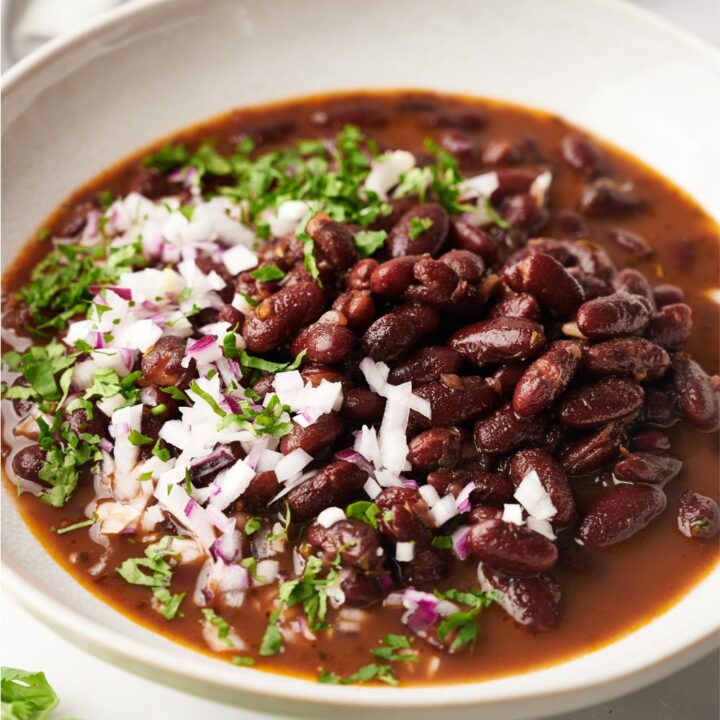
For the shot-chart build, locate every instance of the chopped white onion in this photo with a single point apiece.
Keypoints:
(238, 259)
(429, 495)
(372, 488)
(405, 551)
(541, 526)
(292, 464)
(531, 494)
(443, 510)
(328, 517)
(513, 513)
(386, 170)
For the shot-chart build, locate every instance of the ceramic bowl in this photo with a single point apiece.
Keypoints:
(86, 101)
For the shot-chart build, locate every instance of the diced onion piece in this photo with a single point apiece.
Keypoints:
(266, 572)
(463, 499)
(386, 170)
(539, 187)
(292, 464)
(376, 374)
(405, 551)
(513, 513)
(543, 527)
(230, 484)
(459, 542)
(429, 495)
(531, 494)
(115, 517)
(443, 510)
(479, 186)
(238, 259)
(372, 488)
(328, 517)
(126, 454)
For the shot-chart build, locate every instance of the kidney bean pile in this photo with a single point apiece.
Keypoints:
(536, 352)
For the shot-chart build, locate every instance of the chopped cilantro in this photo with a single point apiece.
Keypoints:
(268, 273)
(222, 625)
(26, 695)
(160, 452)
(136, 438)
(252, 525)
(418, 226)
(462, 623)
(175, 393)
(243, 660)
(495, 216)
(365, 511)
(444, 542)
(368, 242)
(168, 158)
(77, 525)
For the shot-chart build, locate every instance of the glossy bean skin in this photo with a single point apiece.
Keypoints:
(334, 244)
(493, 488)
(658, 409)
(511, 548)
(583, 155)
(668, 295)
(521, 305)
(548, 282)
(605, 198)
(360, 590)
(428, 566)
(28, 462)
(697, 395)
(277, 318)
(399, 331)
(650, 440)
(362, 405)
(455, 405)
(600, 403)
(552, 478)
(633, 282)
(403, 241)
(356, 543)
(358, 278)
(633, 243)
(619, 513)
(161, 364)
(648, 467)
(671, 326)
(358, 308)
(502, 430)
(533, 602)
(698, 516)
(261, 490)
(435, 283)
(484, 511)
(500, 340)
(338, 483)
(80, 423)
(546, 378)
(465, 264)
(425, 365)
(591, 452)
(435, 448)
(314, 438)
(394, 277)
(612, 315)
(634, 356)
(399, 520)
(324, 342)
(465, 236)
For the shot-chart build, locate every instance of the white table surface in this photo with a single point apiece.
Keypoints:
(91, 689)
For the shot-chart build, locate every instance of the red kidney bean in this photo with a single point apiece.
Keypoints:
(429, 565)
(315, 373)
(231, 315)
(512, 182)
(363, 405)
(522, 305)
(435, 448)
(501, 152)
(611, 315)
(359, 276)
(399, 331)
(406, 239)
(523, 212)
(314, 438)
(81, 423)
(633, 282)
(468, 237)
(426, 364)
(546, 378)
(485, 511)
(261, 490)
(392, 278)
(399, 520)
(500, 340)
(591, 452)
(583, 155)
(698, 516)
(697, 395)
(502, 430)
(324, 342)
(358, 308)
(437, 281)
(605, 198)
(334, 243)
(650, 440)
(22, 406)
(161, 365)
(360, 590)
(658, 409)
(279, 317)
(592, 259)
(356, 543)
(338, 483)
(647, 467)
(635, 244)
(466, 265)
(532, 602)
(600, 403)
(548, 281)
(552, 478)
(28, 462)
(494, 488)
(671, 326)
(457, 143)
(626, 356)
(508, 376)
(668, 295)
(457, 118)
(619, 513)
(512, 548)
(592, 286)
(570, 223)
(455, 405)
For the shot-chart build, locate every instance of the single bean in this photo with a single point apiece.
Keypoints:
(466, 264)
(633, 282)
(501, 151)
(632, 242)
(360, 590)
(314, 438)
(698, 516)
(410, 237)
(552, 478)
(358, 308)
(532, 602)
(523, 212)
(394, 277)
(592, 451)
(359, 276)
(465, 236)
(648, 467)
(356, 543)
(511, 548)
(600, 403)
(426, 364)
(261, 490)
(362, 405)
(582, 154)
(338, 483)
(658, 409)
(399, 331)
(455, 405)
(435, 448)
(571, 223)
(438, 282)
(697, 395)
(399, 520)
(619, 513)
(522, 305)
(161, 365)
(315, 373)
(500, 340)
(508, 376)
(671, 326)
(28, 461)
(650, 440)
(605, 198)
(611, 315)
(485, 511)
(546, 378)
(593, 286)
(324, 342)
(428, 566)
(81, 423)
(634, 356)
(502, 430)
(490, 487)
(334, 243)
(668, 295)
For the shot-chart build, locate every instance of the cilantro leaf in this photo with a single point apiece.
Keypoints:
(418, 226)
(26, 695)
(367, 242)
(268, 273)
(365, 511)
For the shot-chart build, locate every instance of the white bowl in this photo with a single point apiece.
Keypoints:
(85, 102)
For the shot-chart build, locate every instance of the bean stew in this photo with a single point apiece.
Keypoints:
(392, 387)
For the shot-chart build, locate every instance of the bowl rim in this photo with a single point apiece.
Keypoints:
(676, 653)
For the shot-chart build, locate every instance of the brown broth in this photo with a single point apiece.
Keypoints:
(627, 584)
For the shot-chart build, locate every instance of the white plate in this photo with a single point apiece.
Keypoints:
(85, 102)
